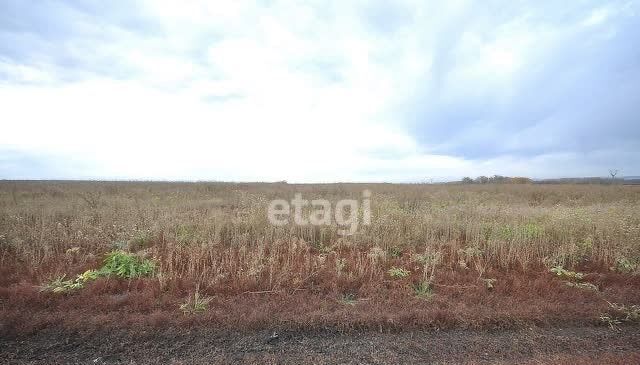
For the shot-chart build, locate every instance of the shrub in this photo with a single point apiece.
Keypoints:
(348, 299)
(566, 274)
(195, 304)
(423, 290)
(341, 263)
(118, 263)
(429, 262)
(140, 240)
(489, 283)
(395, 252)
(60, 285)
(126, 265)
(621, 313)
(532, 231)
(625, 266)
(88, 275)
(587, 286)
(629, 313)
(398, 272)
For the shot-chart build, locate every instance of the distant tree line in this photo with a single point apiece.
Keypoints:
(497, 179)
(591, 180)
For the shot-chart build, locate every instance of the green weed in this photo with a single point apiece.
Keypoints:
(398, 272)
(566, 274)
(423, 290)
(625, 266)
(117, 263)
(60, 285)
(586, 286)
(506, 233)
(195, 304)
(140, 240)
(429, 261)
(126, 265)
(621, 314)
(341, 263)
(348, 299)
(395, 252)
(489, 283)
(532, 231)
(186, 234)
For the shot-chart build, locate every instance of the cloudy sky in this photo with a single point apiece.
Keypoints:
(318, 91)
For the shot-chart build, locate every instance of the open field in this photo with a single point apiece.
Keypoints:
(204, 255)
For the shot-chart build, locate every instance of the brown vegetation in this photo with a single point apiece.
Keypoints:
(475, 255)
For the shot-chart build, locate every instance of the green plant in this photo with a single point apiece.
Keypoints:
(195, 304)
(610, 321)
(423, 289)
(73, 251)
(395, 252)
(587, 286)
(566, 274)
(488, 283)
(429, 262)
(621, 313)
(629, 313)
(472, 255)
(505, 232)
(398, 272)
(88, 275)
(120, 245)
(60, 285)
(186, 234)
(117, 263)
(348, 299)
(126, 265)
(341, 263)
(428, 259)
(324, 249)
(140, 240)
(625, 266)
(532, 230)
(585, 246)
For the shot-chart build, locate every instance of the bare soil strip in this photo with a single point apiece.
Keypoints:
(206, 345)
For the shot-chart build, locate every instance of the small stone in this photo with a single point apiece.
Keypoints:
(274, 337)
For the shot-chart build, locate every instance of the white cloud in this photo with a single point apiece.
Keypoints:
(249, 91)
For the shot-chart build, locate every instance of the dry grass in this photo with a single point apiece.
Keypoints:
(216, 236)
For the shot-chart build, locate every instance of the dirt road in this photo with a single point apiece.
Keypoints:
(574, 345)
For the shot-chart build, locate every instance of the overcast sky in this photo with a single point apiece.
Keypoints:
(322, 92)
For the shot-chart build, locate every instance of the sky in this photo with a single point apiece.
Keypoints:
(318, 91)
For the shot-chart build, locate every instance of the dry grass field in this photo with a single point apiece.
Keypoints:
(116, 256)
(495, 255)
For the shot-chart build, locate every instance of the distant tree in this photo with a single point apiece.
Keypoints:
(613, 174)
(498, 179)
(521, 180)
